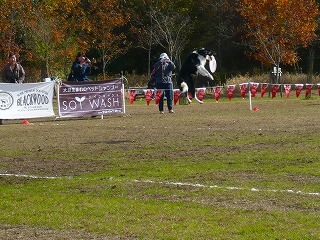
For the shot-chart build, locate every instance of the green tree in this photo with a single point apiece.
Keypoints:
(105, 20)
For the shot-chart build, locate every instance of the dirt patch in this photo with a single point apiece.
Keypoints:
(72, 147)
(9, 232)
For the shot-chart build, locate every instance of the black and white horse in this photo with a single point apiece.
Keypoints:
(195, 64)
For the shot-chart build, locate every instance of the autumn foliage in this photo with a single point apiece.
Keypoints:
(47, 34)
(276, 28)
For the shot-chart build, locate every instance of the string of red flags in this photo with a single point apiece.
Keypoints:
(230, 91)
(298, 89)
(287, 89)
(217, 92)
(243, 89)
(264, 87)
(132, 95)
(176, 96)
(157, 95)
(201, 92)
(253, 87)
(148, 95)
(308, 88)
(274, 90)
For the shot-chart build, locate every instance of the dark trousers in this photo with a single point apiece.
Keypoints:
(168, 91)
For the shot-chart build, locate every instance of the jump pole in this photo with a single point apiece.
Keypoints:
(123, 99)
(250, 97)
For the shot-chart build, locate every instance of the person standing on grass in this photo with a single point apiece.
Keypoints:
(12, 72)
(164, 67)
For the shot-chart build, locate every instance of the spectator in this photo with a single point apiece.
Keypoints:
(12, 72)
(81, 67)
(164, 67)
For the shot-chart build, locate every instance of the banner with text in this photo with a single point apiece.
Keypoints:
(28, 100)
(78, 99)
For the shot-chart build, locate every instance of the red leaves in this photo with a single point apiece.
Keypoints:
(277, 28)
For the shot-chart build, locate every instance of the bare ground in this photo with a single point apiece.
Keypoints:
(141, 126)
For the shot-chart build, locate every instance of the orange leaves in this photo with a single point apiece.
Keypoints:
(277, 27)
(105, 18)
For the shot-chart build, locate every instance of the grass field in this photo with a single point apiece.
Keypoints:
(210, 171)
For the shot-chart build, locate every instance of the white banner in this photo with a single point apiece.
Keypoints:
(28, 100)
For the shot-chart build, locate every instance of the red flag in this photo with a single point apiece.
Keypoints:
(243, 89)
(253, 88)
(298, 89)
(264, 87)
(274, 89)
(217, 91)
(200, 93)
(287, 88)
(308, 88)
(230, 91)
(148, 95)
(318, 88)
(176, 95)
(132, 95)
(157, 96)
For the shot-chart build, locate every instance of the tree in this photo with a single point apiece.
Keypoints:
(143, 27)
(11, 27)
(275, 29)
(172, 28)
(105, 20)
(48, 23)
(162, 24)
(216, 27)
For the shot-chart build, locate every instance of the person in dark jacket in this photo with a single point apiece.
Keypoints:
(12, 72)
(81, 67)
(163, 77)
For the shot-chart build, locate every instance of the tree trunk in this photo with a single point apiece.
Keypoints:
(310, 64)
(43, 69)
(279, 78)
(149, 61)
